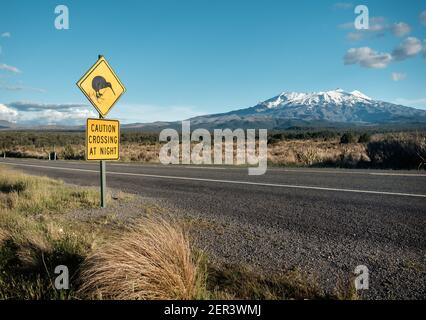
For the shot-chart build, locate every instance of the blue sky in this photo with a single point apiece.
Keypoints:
(184, 58)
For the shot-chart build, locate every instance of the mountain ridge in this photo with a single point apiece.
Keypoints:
(336, 108)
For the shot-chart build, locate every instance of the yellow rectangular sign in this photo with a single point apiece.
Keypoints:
(101, 86)
(102, 139)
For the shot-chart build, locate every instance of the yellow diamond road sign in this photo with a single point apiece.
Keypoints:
(101, 86)
(102, 139)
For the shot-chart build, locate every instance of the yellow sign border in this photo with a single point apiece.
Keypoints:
(87, 138)
(88, 73)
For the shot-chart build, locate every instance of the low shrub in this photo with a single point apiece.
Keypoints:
(70, 154)
(398, 152)
(348, 137)
(364, 138)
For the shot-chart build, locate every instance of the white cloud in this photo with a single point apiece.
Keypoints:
(56, 117)
(29, 113)
(378, 24)
(21, 88)
(423, 17)
(420, 102)
(397, 76)
(6, 67)
(355, 36)
(131, 113)
(377, 28)
(347, 26)
(7, 113)
(424, 48)
(6, 35)
(367, 58)
(407, 49)
(343, 5)
(400, 29)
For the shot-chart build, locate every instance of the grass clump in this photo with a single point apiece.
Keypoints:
(345, 289)
(152, 260)
(34, 238)
(30, 249)
(364, 138)
(242, 282)
(38, 195)
(401, 151)
(348, 137)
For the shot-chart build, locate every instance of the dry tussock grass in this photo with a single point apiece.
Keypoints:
(36, 195)
(152, 260)
(244, 282)
(311, 152)
(4, 235)
(143, 152)
(285, 152)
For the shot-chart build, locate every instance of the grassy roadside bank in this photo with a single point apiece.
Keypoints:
(154, 258)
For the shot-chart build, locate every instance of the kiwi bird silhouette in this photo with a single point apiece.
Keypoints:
(99, 83)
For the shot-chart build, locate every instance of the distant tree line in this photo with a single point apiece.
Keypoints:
(46, 139)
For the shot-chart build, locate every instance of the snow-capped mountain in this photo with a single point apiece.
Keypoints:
(336, 106)
(289, 109)
(335, 97)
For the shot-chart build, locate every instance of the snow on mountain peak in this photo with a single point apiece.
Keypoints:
(359, 94)
(336, 97)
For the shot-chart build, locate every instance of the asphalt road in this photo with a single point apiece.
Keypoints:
(326, 221)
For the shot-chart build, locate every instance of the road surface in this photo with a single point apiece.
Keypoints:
(326, 221)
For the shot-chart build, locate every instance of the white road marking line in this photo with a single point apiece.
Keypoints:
(353, 172)
(398, 174)
(207, 168)
(273, 169)
(227, 181)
